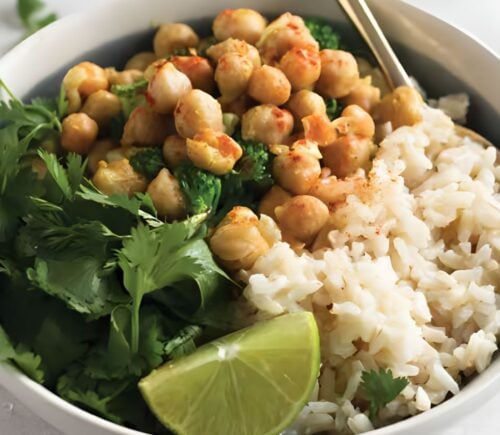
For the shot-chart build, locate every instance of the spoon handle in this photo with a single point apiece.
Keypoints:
(367, 26)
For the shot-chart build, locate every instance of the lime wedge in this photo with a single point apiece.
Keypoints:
(252, 382)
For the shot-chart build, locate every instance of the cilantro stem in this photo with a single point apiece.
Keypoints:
(134, 339)
(9, 92)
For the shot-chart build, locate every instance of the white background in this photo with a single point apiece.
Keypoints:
(478, 17)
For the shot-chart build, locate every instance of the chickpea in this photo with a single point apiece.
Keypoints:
(296, 170)
(174, 151)
(98, 152)
(364, 95)
(238, 106)
(167, 196)
(213, 151)
(174, 36)
(126, 77)
(275, 197)
(232, 75)
(333, 192)
(302, 217)
(339, 73)
(269, 85)
(234, 45)
(319, 128)
(238, 241)
(354, 120)
(267, 123)
(118, 178)
(401, 107)
(79, 132)
(302, 66)
(140, 61)
(347, 154)
(81, 81)
(197, 111)
(101, 106)
(283, 34)
(198, 70)
(145, 128)
(120, 153)
(166, 87)
(245, 24)
(305, 103)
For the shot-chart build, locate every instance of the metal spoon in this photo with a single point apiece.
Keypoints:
(363, 19)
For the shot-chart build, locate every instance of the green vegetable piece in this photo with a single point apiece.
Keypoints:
(380, 388)
(29, 14)
(131, 96)
(156, 258)
(323, 33)
(230, 121)
(201, 189)
(333, 108)
(148, 162)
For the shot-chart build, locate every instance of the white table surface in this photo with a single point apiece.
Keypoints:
(478, 17)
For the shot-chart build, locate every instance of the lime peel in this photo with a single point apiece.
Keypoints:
(253, 382)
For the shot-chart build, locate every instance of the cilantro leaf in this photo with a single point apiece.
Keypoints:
(380, 388)
(29, 14)
(27, 361)
(82, 283)
(323, 33)
(156, 258)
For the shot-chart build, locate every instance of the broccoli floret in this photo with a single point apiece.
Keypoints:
(333, 108)
(255, 165)
(201, 190)
(131, 96)
(323, 33)
(148, 162)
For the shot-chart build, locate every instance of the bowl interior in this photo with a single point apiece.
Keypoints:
(124, 27)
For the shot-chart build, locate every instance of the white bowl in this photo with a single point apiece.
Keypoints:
(429, 48)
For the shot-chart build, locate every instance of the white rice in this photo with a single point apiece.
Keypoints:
(408, 281)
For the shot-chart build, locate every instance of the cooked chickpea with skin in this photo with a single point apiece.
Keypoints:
(167, 86)
(275, 197)
(339, 73)
(302, 217)
(364, 95)
(245, 24)
(81, 81)
(140, 61)
(302, 67)
(347, 154)
(232, 45)
(174, 151)
(98, 152)
(237, 240)
(401, 107)
(145, 128)
(305, 103)
(283, 34)
(232, 75)
(118, 178)
(355, 120)
(79, 132)
(102, 106)
(197, 111)
(269, 85)
(267, 123)
(213, 151)
(198, 70)
(174, 36)
(296, 170)
(126, 77)
(167, 196)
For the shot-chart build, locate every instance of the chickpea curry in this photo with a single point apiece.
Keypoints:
(173, 174)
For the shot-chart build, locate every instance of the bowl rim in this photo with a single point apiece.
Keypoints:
(480, 389)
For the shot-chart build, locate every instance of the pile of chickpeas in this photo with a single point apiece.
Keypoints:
(275, 78)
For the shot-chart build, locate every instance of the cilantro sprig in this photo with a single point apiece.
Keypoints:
(380, 388)
(29, 14)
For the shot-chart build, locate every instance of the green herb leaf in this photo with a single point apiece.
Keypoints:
(380, 388)
(28, 11)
